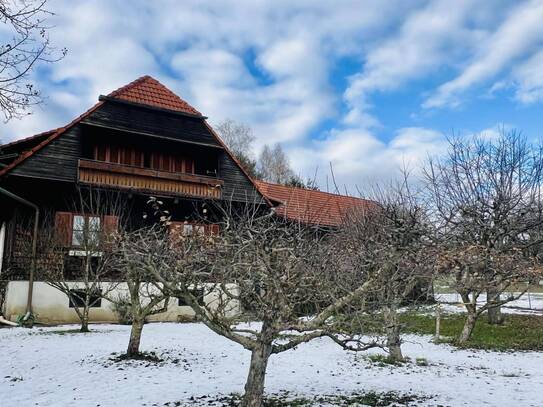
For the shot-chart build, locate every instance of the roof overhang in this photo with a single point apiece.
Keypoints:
(90, 123)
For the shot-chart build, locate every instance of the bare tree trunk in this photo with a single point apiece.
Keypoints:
(393, 334)
(135, 336)
(85, 320)
(495, 316)
(254, 387)
(468, 327)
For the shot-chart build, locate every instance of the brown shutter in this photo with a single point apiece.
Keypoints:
(214, 229)
(110, 226)
(63, 228)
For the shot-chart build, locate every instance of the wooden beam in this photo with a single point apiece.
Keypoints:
(147, 172)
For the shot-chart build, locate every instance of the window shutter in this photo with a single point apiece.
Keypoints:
(63, 228)
(110, 225)
(214, 229)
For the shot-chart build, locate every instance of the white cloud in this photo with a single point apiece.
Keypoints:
(358, 156)
(428, 38)
(529, 79)
(518, 34)
(270, 65)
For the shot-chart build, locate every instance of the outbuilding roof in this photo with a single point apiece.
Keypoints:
(311, 206)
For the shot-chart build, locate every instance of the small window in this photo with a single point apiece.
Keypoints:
(187, 229)
(198, 293)
(77, 299)
(86, 230)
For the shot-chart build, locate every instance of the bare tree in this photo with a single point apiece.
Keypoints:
(139, 255)
(390, 243)
(27, 44)
(239, 138)
(476, 269)
(75, 250)
(487, 199)
(276, 267)
(274, 166)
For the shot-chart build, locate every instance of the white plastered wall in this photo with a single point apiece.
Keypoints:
(52, 306)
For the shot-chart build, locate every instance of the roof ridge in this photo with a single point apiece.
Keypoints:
(311, 190)
(148, 91)
(129, 85)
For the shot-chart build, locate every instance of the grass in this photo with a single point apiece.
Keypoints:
(58, 332)
(519, 332)
(61, 332)
(383, 360)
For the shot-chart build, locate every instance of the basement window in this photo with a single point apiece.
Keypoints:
(77, 299)
(198, 293)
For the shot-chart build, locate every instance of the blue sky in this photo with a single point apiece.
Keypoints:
(364, 85)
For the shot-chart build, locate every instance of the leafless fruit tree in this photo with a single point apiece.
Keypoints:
(389, 243)
(139, 255)
(486, 194)
(25, 44)
(278, 268)
(75, 250)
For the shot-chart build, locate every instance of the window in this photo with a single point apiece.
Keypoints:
(187, 229)
(77, 299)
(86, 230)
(198, 293)
(179, 229)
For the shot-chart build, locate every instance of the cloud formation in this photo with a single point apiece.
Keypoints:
(275, 66)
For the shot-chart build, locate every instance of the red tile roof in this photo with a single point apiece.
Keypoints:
(36, 138)
(311, 207)
(149, 91)
(53, 135)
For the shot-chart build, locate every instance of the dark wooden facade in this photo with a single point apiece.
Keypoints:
(131, 149)
(60, 159)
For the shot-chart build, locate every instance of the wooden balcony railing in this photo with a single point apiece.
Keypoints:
(148, 180)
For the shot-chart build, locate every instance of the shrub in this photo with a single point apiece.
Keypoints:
(122, 308)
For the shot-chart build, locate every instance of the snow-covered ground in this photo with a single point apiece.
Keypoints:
(43, 368)
(529, 303)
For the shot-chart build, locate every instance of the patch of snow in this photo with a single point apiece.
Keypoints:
(41, 367)
(529, 303)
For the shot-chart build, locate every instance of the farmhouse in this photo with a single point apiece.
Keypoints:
(139, 141)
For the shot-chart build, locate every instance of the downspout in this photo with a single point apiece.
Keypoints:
(34, 246)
